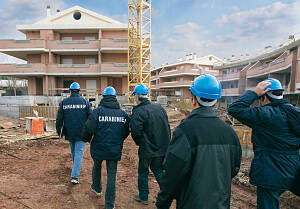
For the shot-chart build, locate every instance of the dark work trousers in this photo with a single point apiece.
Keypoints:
(110, 194)
(268, 199)
(155, 165)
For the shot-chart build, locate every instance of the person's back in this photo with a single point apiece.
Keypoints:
(203, 156)
(106, 130)
(71, 117)
(153, 139)
(214, 146)
(150, 130)
(275, 137)
(112, 129)
(75, 113)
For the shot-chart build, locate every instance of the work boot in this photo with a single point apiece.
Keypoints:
(138, 199)
(74, 181)
(98, 194)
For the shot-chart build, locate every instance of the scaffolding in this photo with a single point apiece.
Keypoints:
(139, 44)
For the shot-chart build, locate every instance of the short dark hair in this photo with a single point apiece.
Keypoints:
(76, 91)
(141, 99)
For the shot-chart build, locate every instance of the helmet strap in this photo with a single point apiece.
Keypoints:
(206, 104)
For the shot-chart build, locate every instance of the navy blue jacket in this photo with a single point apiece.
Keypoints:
(72, 115)
(275, 138)
(106, 130)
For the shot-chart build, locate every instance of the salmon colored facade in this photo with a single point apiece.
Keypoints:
(282, 64)
(61, 49)
(175, 79)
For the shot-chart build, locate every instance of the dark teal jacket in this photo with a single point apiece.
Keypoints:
(275, 138)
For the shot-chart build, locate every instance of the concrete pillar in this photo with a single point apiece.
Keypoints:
(46, 85)
(51, 58)
(31, 86)
(100, 34)
(294, 52)
(124, 85)
(103, 83)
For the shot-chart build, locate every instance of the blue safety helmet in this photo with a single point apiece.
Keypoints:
(140, 89)
(74, 86)
(206, 86)
(275, 84)
(109, 91)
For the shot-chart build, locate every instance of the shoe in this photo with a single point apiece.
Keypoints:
(74, 181)
(98, 194)
(138, 199)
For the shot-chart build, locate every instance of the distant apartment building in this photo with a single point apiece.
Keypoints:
(241, 75)
(71, 45)
(174, 80)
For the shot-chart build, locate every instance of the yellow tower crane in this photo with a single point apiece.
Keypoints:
(139, 44)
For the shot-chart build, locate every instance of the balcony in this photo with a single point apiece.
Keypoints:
(178, 72)
(64, 69)
(230, 92)
(22, 69)
(114, 45)
(174, 84)
(75, 44)
(114, 68)
(22, 44)
(228, 77)
(277, 65)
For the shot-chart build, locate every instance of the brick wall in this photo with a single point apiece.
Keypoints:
(114, 58)
(34, 58)
(79, 36)
(115, 34)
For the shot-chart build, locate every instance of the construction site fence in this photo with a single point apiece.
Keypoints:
(16, 111)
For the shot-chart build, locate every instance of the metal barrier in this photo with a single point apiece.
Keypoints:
(42, 111)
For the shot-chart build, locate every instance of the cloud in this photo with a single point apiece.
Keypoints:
(24, 12)
(235, 8)
(123, 18)
(256, 28)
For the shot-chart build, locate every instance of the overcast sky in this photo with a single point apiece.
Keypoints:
(179, 27)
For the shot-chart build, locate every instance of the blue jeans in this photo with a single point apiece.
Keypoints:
(110, 194)
(267, 198)
(77, 151)
(155, 165)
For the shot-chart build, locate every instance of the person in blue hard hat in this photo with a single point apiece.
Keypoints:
(275, 137)
(150, 131)
(203, 156)
(106, 129)
(71, 116)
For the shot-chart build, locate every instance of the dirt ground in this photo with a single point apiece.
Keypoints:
(36, 174)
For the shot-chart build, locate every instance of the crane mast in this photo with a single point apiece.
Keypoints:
(139, 44)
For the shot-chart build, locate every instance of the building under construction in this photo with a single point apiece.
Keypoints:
(282, 63)
(71, 45)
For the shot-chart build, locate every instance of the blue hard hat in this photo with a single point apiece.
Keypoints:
(74, 86)
(275, 84)
(206, 86)
(109, 91)
(140, 89)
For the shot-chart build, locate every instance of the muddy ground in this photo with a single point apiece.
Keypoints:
(36, 174)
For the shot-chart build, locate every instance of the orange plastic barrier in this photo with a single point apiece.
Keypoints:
(35, 126)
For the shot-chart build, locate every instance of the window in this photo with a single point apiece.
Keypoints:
(65, 38)
(90, 38)
(90, 61)
(67, 61)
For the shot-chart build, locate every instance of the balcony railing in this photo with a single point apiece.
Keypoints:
(12, 69)
(114, 43)
(232, 91)
(75, 44)
(173, 84)
(22, 44)
(276, 65)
